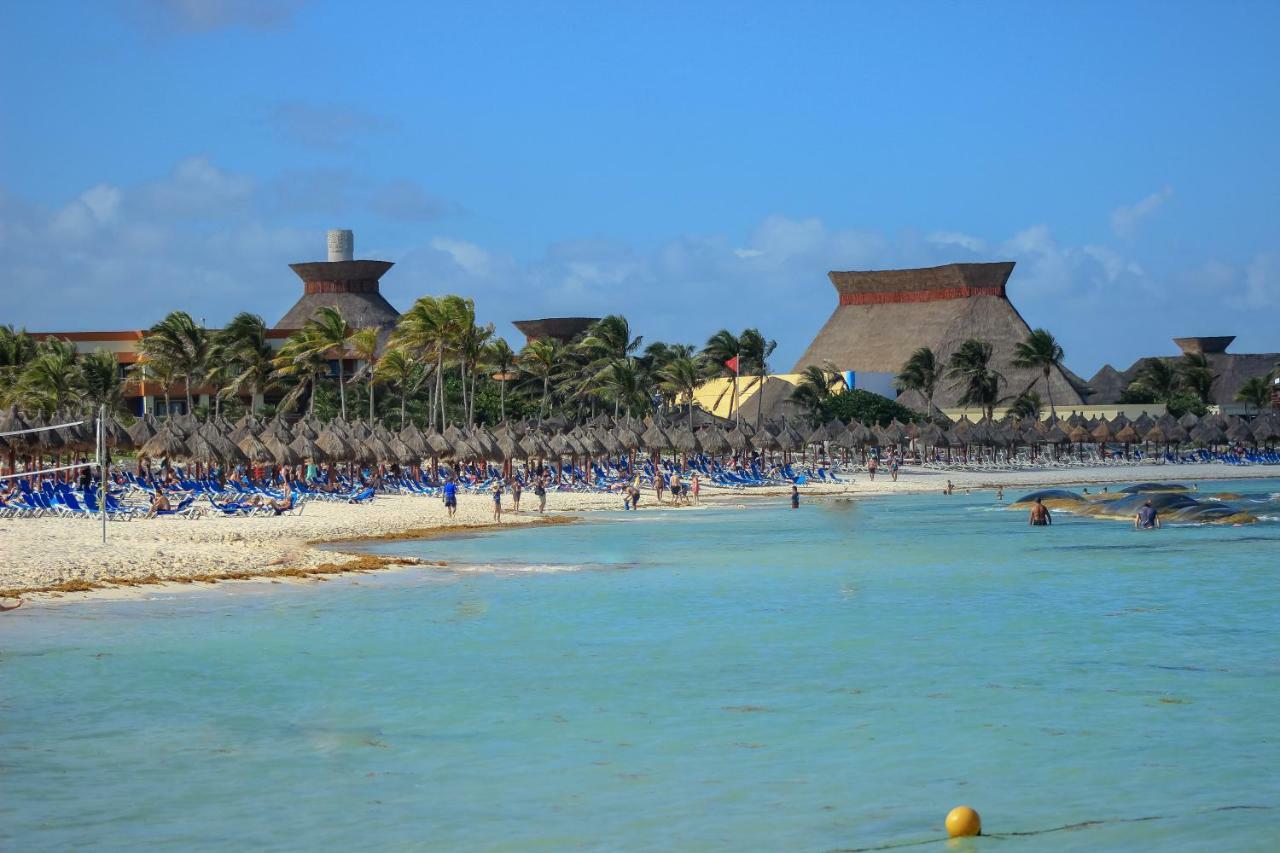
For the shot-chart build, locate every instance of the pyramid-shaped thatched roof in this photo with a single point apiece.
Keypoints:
(885, 315)
(349, 286)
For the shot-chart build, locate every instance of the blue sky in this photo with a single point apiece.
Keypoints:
(689, 165)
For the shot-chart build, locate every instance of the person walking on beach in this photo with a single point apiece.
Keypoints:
(659, 483)
(540, 490)
(516, 489)
(1147, 518)
(694, 486)
(450, 497)
(497, 500)
(795, 497)
(893, 467)
(1040, 516)
(872, 463)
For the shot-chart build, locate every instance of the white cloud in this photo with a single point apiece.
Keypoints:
(1125, 219)
(197, 188)
(468, 256)
(956, 238)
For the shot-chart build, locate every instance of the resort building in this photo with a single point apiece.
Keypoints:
(350, 285)
(882, 316)
(563, 329)
(344, 283)
(1230, 371)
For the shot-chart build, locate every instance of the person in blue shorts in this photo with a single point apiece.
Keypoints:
(497, 501)
(451, 496)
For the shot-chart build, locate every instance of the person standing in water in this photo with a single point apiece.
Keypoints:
(1040, 516)
(1147, 518)
(795, 497)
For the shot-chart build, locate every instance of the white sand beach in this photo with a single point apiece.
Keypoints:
(49, 552)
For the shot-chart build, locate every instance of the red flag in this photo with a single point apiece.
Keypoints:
(732, 364)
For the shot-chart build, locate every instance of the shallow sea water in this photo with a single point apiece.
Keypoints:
(836, 677)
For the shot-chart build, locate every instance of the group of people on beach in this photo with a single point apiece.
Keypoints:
(894, 462)
(538, 482)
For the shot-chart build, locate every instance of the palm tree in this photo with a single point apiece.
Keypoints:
(248, 358)
(619, 382)
(161, 371)
(723, 349)
(302, 359)
(609, 339)
(658, 355)
(471, 344)
(1256, 392)
(970, 366)
(16, 349)
(180, 343)
(502, 359)
(1026, 405)
(1197, 375)
(101, 380)
(814, 387)
(327, 332)
(51, 379)
(1158, 379)
(431, 328)
(682, 376)
(1040, 351)
(756, 349)
(364, 345)
(921, 373)
(542, 360)
(400, 368)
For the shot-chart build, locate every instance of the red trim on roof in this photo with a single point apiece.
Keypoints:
(899, 296)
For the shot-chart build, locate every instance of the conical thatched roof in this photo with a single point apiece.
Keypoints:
(884, 315)
(165, 444)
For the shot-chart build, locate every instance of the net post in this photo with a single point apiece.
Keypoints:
(102, 468)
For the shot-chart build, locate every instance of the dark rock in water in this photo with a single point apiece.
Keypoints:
(1141, 488)
(1172, 506)
(1051, 498)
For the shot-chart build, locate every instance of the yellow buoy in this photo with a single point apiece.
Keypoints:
(962, 821)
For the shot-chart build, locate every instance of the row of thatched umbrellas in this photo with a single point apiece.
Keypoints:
(251, 440)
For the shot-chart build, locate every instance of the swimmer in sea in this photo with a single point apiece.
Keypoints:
(1040, 516)
(1147, 518)
(795, 497)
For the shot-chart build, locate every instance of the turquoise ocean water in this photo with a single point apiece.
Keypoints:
(836, 677)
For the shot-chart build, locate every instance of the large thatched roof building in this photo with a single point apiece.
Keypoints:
(885, 315)
(1230, 370)
(563, 329)
(349, 285)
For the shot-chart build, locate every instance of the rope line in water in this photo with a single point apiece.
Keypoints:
(1086, 824)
